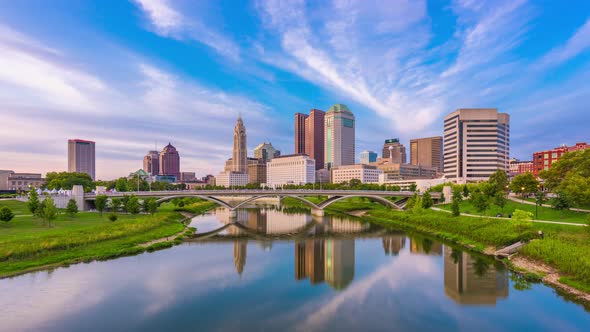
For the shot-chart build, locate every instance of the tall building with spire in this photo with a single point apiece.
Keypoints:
(339, 146)
(240, 152)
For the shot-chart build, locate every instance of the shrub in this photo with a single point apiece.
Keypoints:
(427, 201)
(6, 214)
(33, 202)
(72, 208)
(113, 216)
(132, 205)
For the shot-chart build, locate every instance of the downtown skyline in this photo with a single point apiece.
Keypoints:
(166, 72)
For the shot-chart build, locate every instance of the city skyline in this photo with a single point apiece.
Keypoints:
(173, 82)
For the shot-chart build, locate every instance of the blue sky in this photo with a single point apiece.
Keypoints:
(129, 73)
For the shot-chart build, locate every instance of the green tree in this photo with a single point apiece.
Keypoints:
(40, 209)
(499, 180)
(101, 203)
(417, 208)
(72, 208)
(524, 184)
(442, 198)
(121, 185)
(480, 201)
(354, 183)
(116, 204)
(500, 200)
(124, 202)
(523, 220)
(49, 211)
(576, 162)
(456, 201)
(132, 205)
(465, 191)
(6, 214)
(66, 180)
(150, 205)
(562, 202)
(413, 187)
(427, 201)
(33, 202)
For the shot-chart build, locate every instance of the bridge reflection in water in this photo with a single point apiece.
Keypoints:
(321, 256)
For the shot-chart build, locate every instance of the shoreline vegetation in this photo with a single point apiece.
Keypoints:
(26, 245)
(561, 259)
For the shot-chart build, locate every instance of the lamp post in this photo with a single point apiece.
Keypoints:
(522, 191)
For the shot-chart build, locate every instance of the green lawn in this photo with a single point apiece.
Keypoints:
(26, 244)
(545, 213)
(17, 207)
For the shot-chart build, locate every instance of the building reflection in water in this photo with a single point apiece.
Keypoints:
(425, 246)
(473, 281)
(327, 260)
(393, 244)
(319, 260)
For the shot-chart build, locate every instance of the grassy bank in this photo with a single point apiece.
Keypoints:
(26, 244)
(545, 213)
(198, 207)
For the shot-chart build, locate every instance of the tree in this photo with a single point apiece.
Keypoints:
(576, 162)
(354, 183)
(523, 220)
(101, 203)
(456, 200)
(49, 211)
(124, 201)
(413, 187)
(500, 200)
(480, 201)
(121, 185)
(150, 205)
(562, 202)
(39, 211)
(465, 191)
(499, 180)
(132, 205)
(6, 214)
(427, 201)
(72, 208)
(411, 202)
(116, 204)
(524, 184)
(66, 180)
(33, 202)
(442, 198)
(417, 208)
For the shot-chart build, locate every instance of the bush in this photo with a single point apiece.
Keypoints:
(72, 207)
(6, 214)
(113, 216)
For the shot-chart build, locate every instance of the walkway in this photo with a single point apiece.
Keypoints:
(539, 221)
(518, 200)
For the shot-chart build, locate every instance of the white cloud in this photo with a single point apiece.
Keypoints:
(169, 22)
(575, 45)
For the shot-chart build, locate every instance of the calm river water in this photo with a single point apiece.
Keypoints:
(287, 271)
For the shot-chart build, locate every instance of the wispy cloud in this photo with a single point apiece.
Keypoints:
(575, 45)
(169, 22)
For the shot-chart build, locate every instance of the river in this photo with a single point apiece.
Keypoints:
(277, 269)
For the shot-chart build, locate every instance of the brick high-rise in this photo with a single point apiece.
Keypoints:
(309, 135)
(170, 161)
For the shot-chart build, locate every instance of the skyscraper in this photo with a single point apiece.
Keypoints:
(81, 157)
(368, 157)
(170, 161)
(477, 143)
(427, 152)
(151, 162)
(394, 150)
(309, 135)
(240, 152)
(265, 152)
(339, 146)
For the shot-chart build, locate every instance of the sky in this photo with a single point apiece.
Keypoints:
(132, 75)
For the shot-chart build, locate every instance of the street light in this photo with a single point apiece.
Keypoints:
(522, 191)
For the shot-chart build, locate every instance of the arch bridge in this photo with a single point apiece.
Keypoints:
(333, 196)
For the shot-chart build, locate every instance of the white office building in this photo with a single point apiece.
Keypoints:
(339, 146)
(231, 179)
(477, 143)
(295, 169)
(362, 172)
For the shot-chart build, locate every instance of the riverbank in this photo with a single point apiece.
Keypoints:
(564, 249)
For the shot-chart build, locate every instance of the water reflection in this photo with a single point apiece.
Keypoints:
(473, 281)
(393, 244)
(325, 260)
